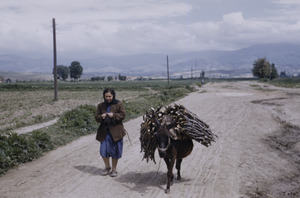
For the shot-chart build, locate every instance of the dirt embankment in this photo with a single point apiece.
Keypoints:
(256, 154)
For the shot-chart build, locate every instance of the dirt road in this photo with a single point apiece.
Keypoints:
(245, 161)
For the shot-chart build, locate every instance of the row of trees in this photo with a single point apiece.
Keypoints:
(261, 69)
(109, 78)
(74, 70)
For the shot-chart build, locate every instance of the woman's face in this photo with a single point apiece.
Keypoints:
(108, 97)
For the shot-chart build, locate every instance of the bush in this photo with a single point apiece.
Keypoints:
(42, 140)
(16, 149)
(80, 118)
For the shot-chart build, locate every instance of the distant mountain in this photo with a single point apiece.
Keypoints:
(17, 63)
(284, 56)
(219, 63)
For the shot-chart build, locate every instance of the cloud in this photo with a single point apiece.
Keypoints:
(87, 28)
(84, 25)
(286, 10)
(234, 18)
(287, 2)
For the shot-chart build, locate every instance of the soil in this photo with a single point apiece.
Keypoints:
(256, 154)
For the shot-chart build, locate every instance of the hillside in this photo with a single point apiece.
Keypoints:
(216, 63)
(27, 76)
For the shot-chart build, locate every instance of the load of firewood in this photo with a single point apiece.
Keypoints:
(187, 125)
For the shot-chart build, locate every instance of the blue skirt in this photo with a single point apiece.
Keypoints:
(110, 148)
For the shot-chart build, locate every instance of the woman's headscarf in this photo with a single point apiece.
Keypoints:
(112, 91)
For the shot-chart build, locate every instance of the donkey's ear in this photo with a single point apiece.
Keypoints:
(172, 124)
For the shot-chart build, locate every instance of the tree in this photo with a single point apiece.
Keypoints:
(283, 75)
(202, 74)
(274, 73)
(75, 70)
(263, 69)
(122, 78)
(62, 72)
(98, 78)
(110, 78)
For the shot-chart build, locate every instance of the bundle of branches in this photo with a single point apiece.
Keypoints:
(188, 125)
(148, 127)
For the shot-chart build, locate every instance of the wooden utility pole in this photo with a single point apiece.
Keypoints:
(195, 68)
(54, 60)
(168, 70)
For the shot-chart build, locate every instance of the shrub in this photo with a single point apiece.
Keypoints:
(80, 118)
(16, 149)
(42, 140)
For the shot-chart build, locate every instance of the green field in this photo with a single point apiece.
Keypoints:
(286, 83)
(28, 103)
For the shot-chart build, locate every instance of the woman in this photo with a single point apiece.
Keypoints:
(110, 114)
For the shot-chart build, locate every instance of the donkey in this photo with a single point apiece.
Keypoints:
(171, 150)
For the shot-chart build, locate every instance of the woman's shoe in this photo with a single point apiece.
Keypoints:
(113, 173)
(105, 171)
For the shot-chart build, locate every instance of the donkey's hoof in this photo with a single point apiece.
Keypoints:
(178, 177)
(167, 191)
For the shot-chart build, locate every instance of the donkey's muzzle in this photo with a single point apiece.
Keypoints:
(162, 152)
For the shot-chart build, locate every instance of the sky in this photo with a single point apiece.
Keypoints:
(90, 28)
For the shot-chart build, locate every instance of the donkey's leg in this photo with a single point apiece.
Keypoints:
(178, 166)
(170, 165)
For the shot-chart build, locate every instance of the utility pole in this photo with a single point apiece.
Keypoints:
(54, 60)
(168, 70)
(195, 67)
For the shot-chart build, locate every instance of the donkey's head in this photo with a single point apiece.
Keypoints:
(162, 136)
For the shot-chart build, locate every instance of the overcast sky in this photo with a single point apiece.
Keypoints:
(88, 28)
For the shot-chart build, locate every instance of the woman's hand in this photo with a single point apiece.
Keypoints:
(110, 115)
(105, 114)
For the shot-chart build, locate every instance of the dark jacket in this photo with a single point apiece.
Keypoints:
(115, 125)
